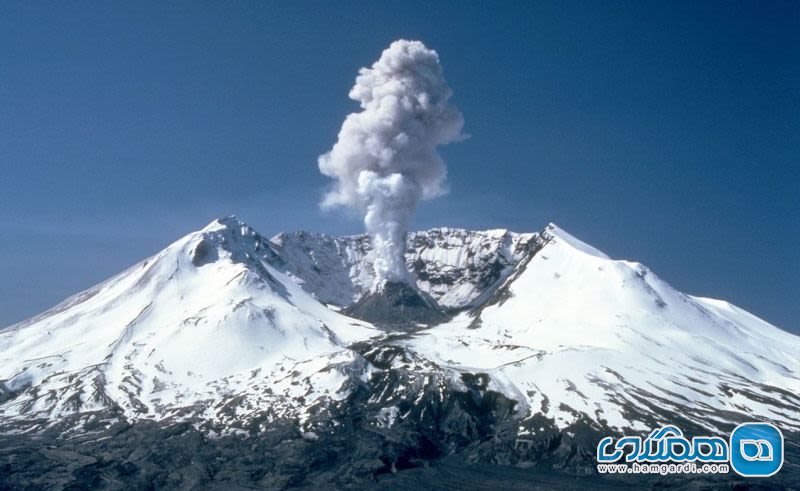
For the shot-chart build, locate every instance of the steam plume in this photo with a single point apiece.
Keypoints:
(385, 158)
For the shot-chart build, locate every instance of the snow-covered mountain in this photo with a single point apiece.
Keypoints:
(184, 331)
(571, 333)
(575, 335)
(546, 340)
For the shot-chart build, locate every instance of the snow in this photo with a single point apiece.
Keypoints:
(161, 333)
(573, 319)
(562, 235)
(555, 323)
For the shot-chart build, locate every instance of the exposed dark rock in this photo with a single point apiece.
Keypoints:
(397, 305)
(204, 253)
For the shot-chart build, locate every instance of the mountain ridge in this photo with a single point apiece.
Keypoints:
(547, 341)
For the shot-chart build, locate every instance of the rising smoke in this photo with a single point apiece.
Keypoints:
(385, 158)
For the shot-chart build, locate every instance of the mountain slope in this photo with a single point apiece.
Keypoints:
(227, 347)
(576, 335)
(183, 329)
(561, 328)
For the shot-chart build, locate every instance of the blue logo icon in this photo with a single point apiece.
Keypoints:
(756, 449)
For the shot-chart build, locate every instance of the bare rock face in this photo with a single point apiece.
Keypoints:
(458, 268)
(397, 305)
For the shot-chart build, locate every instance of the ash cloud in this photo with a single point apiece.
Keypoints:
(385, 159)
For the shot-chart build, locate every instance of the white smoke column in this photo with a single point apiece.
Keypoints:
(385, 158)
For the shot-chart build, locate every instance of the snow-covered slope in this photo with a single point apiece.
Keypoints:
(226, 326)
(575, 335)
(183, 330)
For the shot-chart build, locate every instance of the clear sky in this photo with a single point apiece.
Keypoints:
(662, 132)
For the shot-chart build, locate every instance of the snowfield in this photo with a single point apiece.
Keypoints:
(186, 327)
(225, 325)
(593, 336)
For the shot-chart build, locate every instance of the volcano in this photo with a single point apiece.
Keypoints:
(232, 360)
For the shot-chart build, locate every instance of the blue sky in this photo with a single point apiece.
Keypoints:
(663, 132)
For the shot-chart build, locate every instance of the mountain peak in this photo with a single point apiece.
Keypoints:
(239, 241)
(230, 222)
(553, 231)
